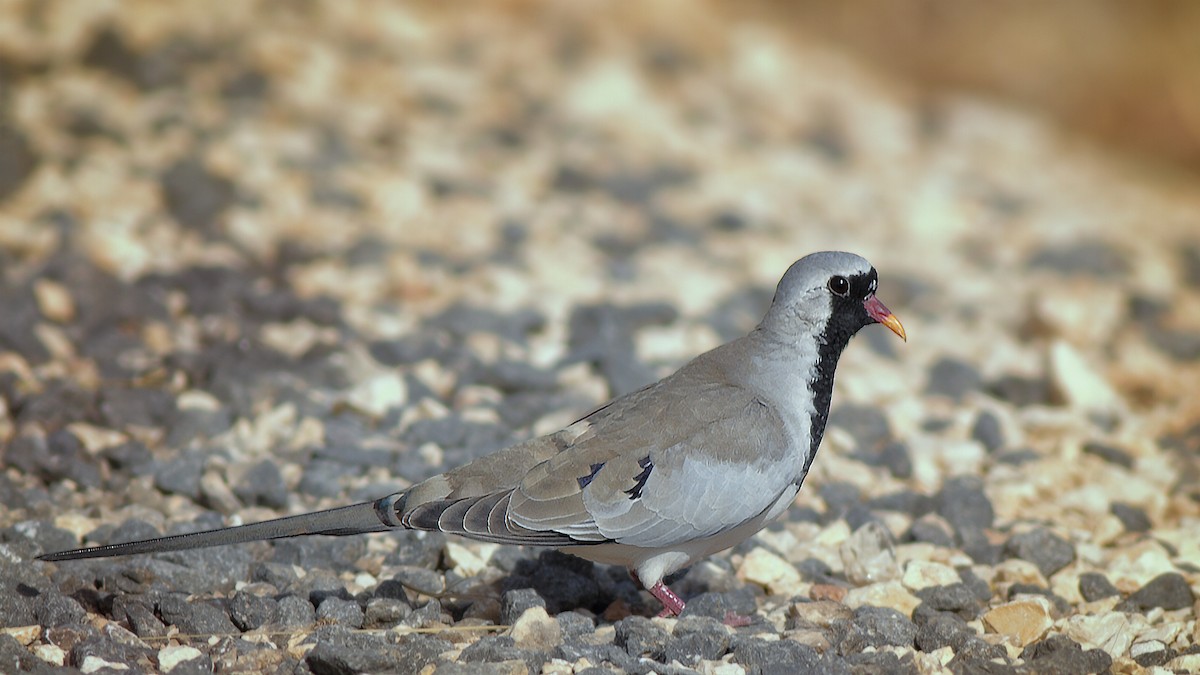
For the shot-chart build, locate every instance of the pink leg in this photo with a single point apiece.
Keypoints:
(673, 605)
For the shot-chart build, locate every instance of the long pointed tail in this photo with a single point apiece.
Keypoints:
(376, 516)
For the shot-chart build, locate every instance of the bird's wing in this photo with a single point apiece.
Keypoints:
(680, 461)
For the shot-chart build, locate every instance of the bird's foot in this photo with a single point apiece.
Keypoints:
(672, 604)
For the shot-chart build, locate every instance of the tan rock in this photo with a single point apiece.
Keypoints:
(535, 629)
(768, 570)
(822, 613)
(887, 594)
(869, 555)
(920, 574)
(1110, 632)
(1024, 620)
(23, 634)
(54, 300)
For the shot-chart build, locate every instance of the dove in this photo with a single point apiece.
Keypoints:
(654, 480)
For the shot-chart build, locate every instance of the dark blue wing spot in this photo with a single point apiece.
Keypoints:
(639, 481)
(584, 481)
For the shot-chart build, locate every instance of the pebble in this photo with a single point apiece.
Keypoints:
(988, 432)
(1075, 383)
(885, 594)
(877, 627)
(1132, 518)
(1169, 591)
(921, 574)
(869, 555)
(1043, 548)
(171, 657)
(535, 629)
(1023, 620)
(953, 379)
(1110, 632)
(773, 573)
(1094, 586)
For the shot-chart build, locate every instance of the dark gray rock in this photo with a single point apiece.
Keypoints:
(59, 610)
(957, 598)
(181, 476)
(988, 432)
(136, 406)
(1108, 453)
(575, 624)
(263, 485)
(497, 648)
(1060, 655)
(1020, 391)
(250, 611)
(17, 608)
(913, 503)
(963, 503)
(694, 647)
(973, 655)
(895, 456)
(953, 379)
(1043, 548)
(782, 657)
(195, 617)
(514, 603)
(1095, 586)
(340, 611)
(601, 655)
(295, 612)
(603, 335)
(347, 653)
(1169, 591)
(15, 658)
(138, 613)
(195, 197)
(931, 532)
(386, 612)
(877, 627)
(1088, 258)
(640, 637)
(866, 424)
(563, 581)
(839, 498)
(941, 629)
(18, 160)
(1133, 518)
(881, 663)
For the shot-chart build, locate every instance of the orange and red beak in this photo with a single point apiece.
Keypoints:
(879, 312)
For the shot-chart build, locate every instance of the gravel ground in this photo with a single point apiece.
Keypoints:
(271, 257)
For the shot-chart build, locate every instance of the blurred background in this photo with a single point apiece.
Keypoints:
(1125, 73)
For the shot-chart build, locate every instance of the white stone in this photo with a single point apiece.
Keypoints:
(868, 555)
(23, 634)
(51, 654)
(920, 574)
(378, 394)
(170, 657)
(1110, 632)
(93, 663)
(1076, 383)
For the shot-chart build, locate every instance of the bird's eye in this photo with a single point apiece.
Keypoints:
(839, 286)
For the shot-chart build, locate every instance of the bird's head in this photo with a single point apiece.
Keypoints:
(830, 295)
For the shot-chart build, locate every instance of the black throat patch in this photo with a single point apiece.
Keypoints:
(847, 318)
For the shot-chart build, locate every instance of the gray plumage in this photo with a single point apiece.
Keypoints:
(655, 479)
